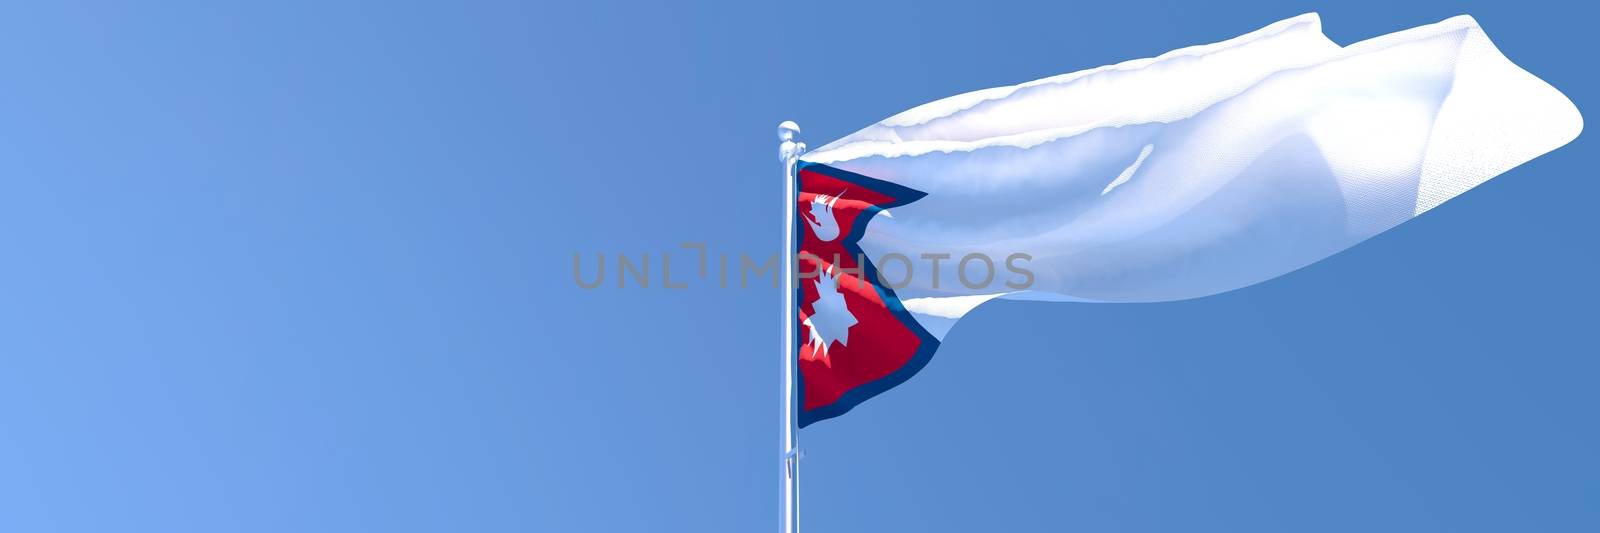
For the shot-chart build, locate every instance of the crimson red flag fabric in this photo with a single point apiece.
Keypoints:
(855, 339)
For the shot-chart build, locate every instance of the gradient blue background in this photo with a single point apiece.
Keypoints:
(307, 267)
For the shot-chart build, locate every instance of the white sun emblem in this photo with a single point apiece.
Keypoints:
(821, 220)
(830, 318)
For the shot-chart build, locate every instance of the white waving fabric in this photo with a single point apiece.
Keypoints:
(1200, 171)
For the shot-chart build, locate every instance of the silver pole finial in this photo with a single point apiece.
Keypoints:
(791, 148)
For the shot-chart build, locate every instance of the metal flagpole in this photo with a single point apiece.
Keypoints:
(789, 151)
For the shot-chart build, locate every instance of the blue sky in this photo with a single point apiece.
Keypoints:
(306, 266)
